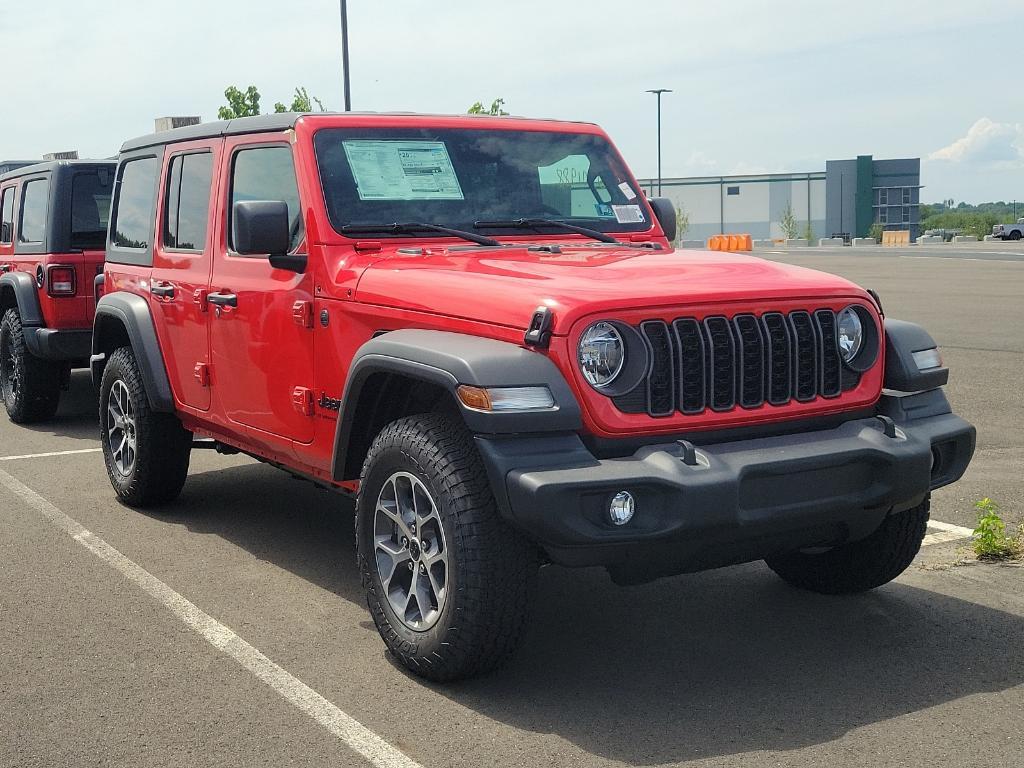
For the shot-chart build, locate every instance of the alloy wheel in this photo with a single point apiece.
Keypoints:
(121, 428)
(410, 551)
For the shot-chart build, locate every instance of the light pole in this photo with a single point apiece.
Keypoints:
(657, 92)
(344, 54)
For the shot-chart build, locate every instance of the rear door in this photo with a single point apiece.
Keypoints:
(182, 262)
(261, 337)
(7, 226)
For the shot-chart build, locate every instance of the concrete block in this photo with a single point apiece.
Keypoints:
(965, 239)
(691, 244)
(857, 242)
(764, 244)
(831, 242)
(929, 239)
(992, 239)
(799, 242)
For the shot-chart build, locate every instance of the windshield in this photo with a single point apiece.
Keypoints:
(458, 178)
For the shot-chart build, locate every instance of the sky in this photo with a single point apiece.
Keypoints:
(757, 87)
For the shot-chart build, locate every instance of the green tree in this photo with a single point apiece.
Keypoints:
(240, 104)
(302, 102)
(495, 109)
(808, 233)
(788, 223)
(682, 222)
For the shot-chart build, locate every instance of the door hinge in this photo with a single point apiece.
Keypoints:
(199, 299)
(302, 400)
(302, 313)
(202, 374)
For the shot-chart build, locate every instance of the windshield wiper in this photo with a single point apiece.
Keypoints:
(593, 234)
(415, 226)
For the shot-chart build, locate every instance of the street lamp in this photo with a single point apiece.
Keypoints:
(344, 53)
(657, 92)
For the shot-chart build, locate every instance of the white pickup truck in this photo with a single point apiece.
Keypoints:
(1009, 231)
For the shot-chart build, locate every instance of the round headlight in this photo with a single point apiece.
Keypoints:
(601, 354)
(851, 333)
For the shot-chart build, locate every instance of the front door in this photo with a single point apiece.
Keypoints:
(261, 338)
(182, 261)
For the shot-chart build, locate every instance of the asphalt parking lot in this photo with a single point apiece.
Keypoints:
(231, 630)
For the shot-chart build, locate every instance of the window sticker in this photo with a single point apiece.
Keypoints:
(627, 190)
(628, 214)
(604, 211)
(402, 170)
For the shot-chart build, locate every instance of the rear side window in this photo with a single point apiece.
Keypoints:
(135, 203)
(267, 173)
(7, 216)
(35, 201)
(188, 201)
(90, 208)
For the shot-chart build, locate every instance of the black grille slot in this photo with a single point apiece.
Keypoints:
(661, 382)
(780, 368)
(721, 354)
(806, 355)
(691, 365)
(751, 360)
(831, 366)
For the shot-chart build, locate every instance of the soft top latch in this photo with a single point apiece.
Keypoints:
(538, 334)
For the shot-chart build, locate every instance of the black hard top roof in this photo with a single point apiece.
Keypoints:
(52, 165)
(280, 121)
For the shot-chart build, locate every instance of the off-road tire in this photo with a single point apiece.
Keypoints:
(861, 565)
(31, 391)
(1015, 235)
(492, 573)
(164, 446)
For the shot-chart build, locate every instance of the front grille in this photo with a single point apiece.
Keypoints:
(746, 360)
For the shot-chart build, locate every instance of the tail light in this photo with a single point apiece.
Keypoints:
(61, 281)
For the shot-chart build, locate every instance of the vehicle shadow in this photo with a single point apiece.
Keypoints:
(76, 417)
(707, 665)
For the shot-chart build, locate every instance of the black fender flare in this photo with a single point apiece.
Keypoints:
(447, 360)
(902, 340)
(26, 295)
(132, 313)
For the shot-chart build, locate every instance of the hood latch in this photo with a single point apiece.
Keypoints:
(538, 334)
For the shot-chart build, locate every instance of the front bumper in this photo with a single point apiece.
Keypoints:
(54, 344)
(742, 500)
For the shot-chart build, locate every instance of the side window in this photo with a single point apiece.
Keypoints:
(90, 208)
(187, 208)
(267, 173)
(131, 226)
(7, 217)
(35, 201)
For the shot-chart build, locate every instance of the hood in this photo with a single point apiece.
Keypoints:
(505, 286)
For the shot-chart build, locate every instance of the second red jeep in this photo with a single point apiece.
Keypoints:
(53, 224)
(478, 326)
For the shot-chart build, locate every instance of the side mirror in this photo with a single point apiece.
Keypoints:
(262, 226)
(666, 213)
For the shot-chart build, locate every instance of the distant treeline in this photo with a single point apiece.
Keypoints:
(972, 219)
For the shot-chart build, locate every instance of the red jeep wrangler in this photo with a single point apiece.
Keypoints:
(478, 326)
(54, 225)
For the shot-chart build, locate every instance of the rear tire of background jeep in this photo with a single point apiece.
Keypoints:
(30, 386)
(1015, 235)
(449, 583)
(860, 565)
(146, 453)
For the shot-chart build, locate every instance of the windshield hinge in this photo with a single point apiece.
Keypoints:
(538, 334)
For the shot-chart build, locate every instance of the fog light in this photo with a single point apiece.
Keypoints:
(621, 510)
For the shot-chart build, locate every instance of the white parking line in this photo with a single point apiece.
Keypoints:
(343, 726)
(49, 455)
(943, 532)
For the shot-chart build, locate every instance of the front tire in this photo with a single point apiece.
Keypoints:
(861, 565)
(30, 386)
(449, 583)
(146, 453)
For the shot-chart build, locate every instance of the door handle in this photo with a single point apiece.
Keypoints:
(162, 290)
(223, 299)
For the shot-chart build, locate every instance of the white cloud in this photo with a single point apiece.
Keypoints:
(986, 142)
